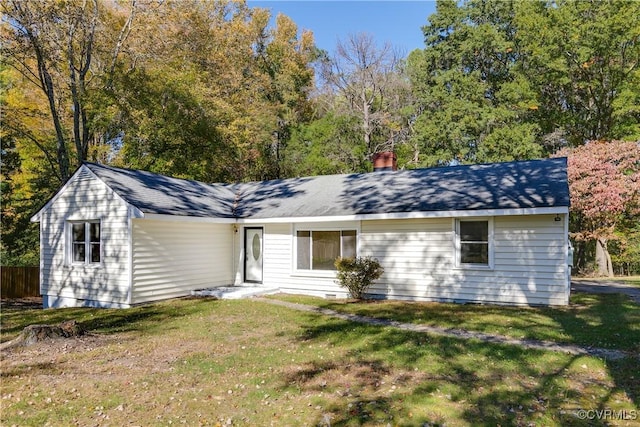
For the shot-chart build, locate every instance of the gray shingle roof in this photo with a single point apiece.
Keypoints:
(159, 194)
(509, 185)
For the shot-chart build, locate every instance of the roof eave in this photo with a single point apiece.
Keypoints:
(413, 215)
(184, 218)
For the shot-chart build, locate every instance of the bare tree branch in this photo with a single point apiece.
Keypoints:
(366, 75)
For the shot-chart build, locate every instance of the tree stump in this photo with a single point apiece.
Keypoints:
(36, 333)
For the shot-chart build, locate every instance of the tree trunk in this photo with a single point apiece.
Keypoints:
(366, 123)
(48, 88)
(603, 259)
(580, 255)
(36, 333)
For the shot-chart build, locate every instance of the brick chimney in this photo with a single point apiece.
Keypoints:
(385, 161)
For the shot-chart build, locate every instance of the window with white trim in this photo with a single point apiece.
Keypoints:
(85, 243)
(318, 249)
(473, 243)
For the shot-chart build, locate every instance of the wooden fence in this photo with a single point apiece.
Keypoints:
(20, 282)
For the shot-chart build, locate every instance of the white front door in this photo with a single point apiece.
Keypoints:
(253, 255)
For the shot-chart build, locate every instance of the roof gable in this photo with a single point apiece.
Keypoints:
(159, 194)
(82, 173)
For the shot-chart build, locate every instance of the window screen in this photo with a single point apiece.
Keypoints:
(474, 242)
(85, 242)
(318, 249)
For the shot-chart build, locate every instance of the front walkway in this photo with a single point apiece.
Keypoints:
(457, 333)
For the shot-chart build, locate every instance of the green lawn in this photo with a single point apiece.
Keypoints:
(605, 321)
(632, 280)
(204, 362)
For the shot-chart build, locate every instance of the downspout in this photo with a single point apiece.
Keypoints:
(132, 213)
(130, 232)
(41, 272)
(569, 255)
(234, 231)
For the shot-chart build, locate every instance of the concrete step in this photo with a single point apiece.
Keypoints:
(234, 292)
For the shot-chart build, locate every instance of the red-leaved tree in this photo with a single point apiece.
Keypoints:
(604, 184)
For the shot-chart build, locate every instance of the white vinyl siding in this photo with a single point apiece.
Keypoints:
(419, 258)
(279, 261)
(172, 258)
(419, 261)
(85, 198)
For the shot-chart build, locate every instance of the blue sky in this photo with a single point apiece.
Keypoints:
(396, 22)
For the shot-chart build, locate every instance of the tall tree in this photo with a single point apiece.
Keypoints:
(51, 73)
(368, 77)
(285, 58)
(27, 175)
(604, 182)
(52, 44)
(474, 104)
(208, 99)
(503, 80)
(216, 100)
(330, 144)
(583, 58)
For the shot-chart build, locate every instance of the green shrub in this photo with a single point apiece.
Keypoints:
(357, 274)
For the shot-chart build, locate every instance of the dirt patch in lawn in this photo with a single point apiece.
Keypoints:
(54, 359)
(364, 386)
(356, 375)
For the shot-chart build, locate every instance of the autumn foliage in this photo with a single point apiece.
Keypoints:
(604, 182)
(221, 91)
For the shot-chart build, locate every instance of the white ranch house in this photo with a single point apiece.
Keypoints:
(492, 233)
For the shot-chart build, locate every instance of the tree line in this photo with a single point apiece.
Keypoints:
(218, 91)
